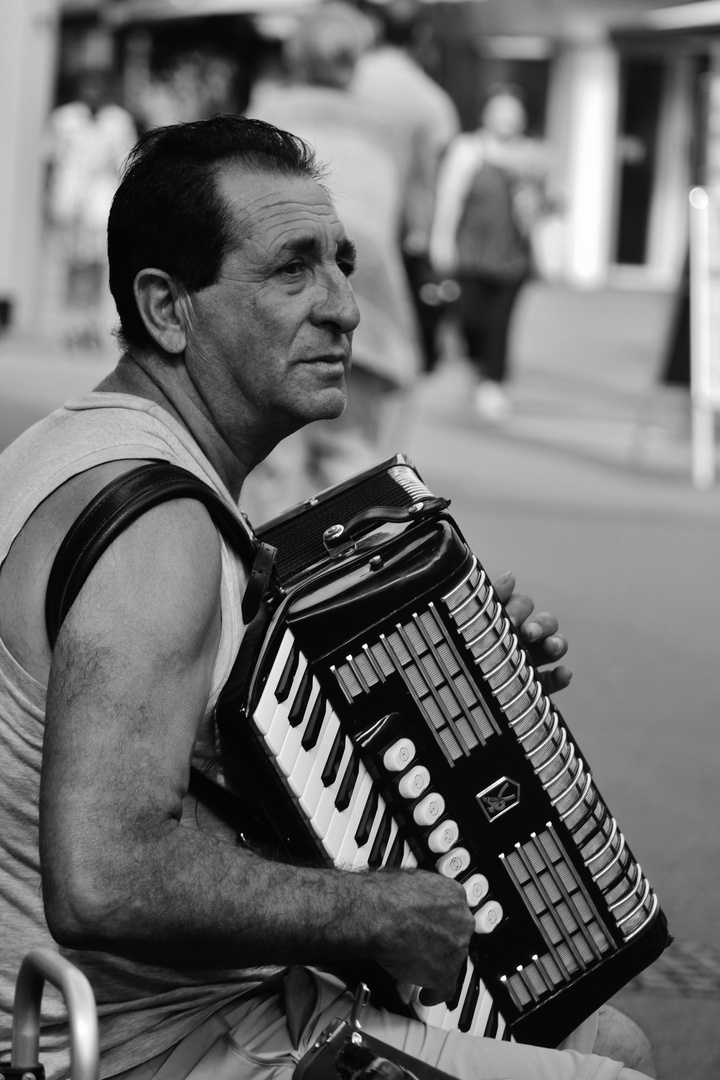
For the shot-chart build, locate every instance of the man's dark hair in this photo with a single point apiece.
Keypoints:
(168, 213)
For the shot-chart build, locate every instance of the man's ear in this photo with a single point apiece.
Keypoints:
(159, 303)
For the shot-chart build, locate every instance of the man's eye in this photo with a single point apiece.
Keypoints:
(293, 269)
(347, 266)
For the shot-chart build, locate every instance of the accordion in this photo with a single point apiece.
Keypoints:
(392, 718)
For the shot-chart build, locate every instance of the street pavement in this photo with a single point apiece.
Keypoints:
(586, 494)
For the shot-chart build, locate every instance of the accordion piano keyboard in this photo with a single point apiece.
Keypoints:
(338, 801)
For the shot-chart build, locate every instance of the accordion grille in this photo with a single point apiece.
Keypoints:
(435, 676)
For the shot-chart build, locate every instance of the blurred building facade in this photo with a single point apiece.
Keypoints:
(622, 89)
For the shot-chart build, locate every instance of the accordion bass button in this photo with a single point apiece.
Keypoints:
(454, 862)
(429, 810)
(398, 756)
(414, 782)
(476, 888)
(443, 838)
(488, 917)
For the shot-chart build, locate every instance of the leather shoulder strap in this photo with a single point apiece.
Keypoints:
(121, 502)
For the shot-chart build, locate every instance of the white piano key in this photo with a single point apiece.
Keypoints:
(277, 728)
(500, 1028)
(394, 829)
(287, 756)
(347, 848)
(451, 1017)
(364, 852)
(337, 830)
(482, 1011)
(267, 705)
(299, 778)
(294, 761)
(314, 787)
(408, 858)
(326, 808)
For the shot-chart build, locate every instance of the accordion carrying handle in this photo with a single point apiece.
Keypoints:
(337, 538)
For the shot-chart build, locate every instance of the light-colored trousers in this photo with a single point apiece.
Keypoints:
(264, 1037)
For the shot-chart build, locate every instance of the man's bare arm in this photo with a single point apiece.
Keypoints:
(130, 678)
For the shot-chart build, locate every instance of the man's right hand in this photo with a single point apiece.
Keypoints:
(423, 929)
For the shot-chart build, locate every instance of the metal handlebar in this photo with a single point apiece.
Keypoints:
(39, 966)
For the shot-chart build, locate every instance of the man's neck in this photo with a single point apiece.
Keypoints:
(166, 383)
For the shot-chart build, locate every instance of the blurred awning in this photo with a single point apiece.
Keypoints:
(700, 15)
(125, 11)
(679, 28)
(697, 17)
(130, 11)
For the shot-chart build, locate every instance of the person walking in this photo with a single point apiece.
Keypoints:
(491, 193)
(424, 120)
(85, 144)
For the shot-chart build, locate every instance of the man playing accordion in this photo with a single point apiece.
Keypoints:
(231, 273)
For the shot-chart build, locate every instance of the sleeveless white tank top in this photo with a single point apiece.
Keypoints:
(142, 1010)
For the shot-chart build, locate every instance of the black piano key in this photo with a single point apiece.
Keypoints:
(492, 1022)
(329, 773)
(467, 1013)
(381, 838)
(362, 834)
(288, 674)
(315, 720)
(347, 784)
(394, 859)
(299, 707)
(453, 1002)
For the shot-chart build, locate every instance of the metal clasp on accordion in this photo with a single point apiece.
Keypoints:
(341, 540)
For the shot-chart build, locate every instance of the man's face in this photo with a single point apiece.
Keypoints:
(269, 343)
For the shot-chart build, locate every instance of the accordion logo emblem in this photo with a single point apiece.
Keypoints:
(500, 797)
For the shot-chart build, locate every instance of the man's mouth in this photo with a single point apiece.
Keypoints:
(331, 359)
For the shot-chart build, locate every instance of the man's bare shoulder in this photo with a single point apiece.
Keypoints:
(158, 581)
(181, 529)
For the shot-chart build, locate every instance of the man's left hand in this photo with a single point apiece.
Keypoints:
(538, 633)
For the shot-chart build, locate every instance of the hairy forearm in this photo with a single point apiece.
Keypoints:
(226, 905)
(184, 898)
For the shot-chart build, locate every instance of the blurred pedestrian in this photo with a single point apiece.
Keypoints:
(424, 120)
(492, 191)
(317, 104)
(85, 144)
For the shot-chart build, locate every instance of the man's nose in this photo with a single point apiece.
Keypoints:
(336, 302)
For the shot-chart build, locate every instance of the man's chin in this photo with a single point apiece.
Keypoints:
(329, 405)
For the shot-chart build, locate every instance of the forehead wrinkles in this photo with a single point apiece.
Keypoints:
(267, 203)
(276, 223)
